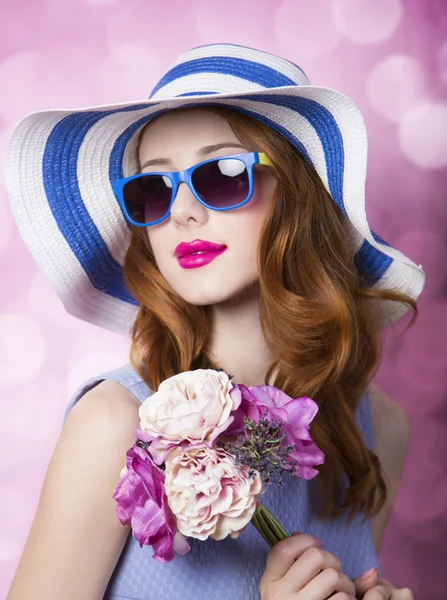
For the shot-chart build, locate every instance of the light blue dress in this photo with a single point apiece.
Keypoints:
(231, 569)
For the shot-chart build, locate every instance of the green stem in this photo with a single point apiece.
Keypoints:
(274, 523)
(260, 529)
(267, 530)
(268, 526)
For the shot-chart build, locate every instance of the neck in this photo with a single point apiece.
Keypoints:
(238, 345)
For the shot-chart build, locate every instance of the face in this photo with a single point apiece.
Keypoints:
(183, 139)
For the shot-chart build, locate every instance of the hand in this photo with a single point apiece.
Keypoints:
(374, 588)
(299, 569)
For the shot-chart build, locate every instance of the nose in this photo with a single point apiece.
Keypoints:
(186, 209)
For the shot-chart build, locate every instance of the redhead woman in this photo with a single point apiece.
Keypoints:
(222, 224)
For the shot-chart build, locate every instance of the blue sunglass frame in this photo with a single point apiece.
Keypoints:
(250, 159)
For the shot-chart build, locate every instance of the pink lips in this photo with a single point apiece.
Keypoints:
(197, 253)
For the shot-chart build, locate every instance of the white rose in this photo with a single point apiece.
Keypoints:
(193, 406)
(209, 495)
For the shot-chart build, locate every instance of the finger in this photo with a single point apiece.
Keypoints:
(284, 553)
(363, 585)
(402, 594)
(342, 596)
(327, 582)
(310, 564)
(382, 591)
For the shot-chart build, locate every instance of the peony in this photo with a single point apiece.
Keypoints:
(208, 493)
(142, 503)
(297, 414)
(191, 408)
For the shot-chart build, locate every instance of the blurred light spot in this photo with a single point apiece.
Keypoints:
(426, 455)
(15, 501)
(99, 2)
(44, 304)
(305, 28)
(366, 21)
(428, 248)
(93, 364)
(442, 61)
(6, 221)
(422, 356)
(396, 85)
(22, 411)
(4, 141)
(233, 21)
(10, 549)
(38, 82)
(422, 135)
(23, 349)
(133, 65)
(20, 74)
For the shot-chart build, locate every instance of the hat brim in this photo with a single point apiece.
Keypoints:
(60, 165)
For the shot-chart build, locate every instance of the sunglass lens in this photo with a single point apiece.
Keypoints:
(147, 198)
(222, 183)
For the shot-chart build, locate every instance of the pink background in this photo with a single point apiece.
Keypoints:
(390, 56)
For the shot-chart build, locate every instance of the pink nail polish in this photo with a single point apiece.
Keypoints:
(367, 574)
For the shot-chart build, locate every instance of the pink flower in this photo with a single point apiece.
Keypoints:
(209, 494)
(142, 503)
(188, 409)
(297, 414)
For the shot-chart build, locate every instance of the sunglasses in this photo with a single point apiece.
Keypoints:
(221, 183)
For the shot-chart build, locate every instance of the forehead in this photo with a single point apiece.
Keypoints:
(197, 125)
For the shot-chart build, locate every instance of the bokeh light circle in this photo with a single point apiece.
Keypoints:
(100, 2)
(426, 455)
(442, 63)
(233, 21)
(428, 247)
(93, 364)
(422, 135)
(422, 356)
(35, 81)
(134, 65)
(23, 349)
(366, 21)
(305, 29)
(44, 305)
(6, 222)
(396, 85)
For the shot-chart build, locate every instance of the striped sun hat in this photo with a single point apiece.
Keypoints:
(60, 165)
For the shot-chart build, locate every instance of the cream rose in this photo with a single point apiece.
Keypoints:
(193, 406)
(209, 495)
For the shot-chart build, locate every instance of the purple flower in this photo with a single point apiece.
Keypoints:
(142, 503)
(297, 414)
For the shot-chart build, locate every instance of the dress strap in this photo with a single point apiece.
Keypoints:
(125, 375)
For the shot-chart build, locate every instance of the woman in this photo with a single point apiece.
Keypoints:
(262, 264)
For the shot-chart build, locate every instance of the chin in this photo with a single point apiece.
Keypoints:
(219, 294)
(205, 298)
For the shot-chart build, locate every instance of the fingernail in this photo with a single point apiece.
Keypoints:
(319, 542)
(296, 533)
(368, 574)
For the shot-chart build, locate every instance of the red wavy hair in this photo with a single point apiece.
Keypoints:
(319, 318)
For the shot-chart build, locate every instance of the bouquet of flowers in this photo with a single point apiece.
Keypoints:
(205, 451)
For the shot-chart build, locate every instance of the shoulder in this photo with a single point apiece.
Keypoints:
(76, 510)
(392, 430)
(108, 407)
(392, 425)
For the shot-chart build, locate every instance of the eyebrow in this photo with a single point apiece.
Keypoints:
(202, 152)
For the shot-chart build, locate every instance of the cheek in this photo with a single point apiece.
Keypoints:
(159, 244)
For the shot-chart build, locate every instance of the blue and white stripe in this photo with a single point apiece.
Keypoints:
(60, 165)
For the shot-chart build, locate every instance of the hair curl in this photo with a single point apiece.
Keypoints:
(318, 315)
